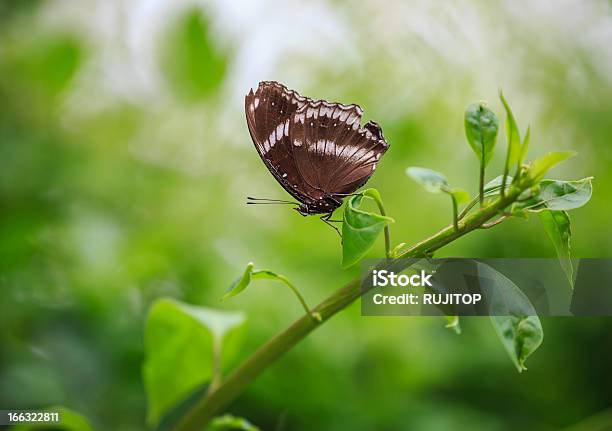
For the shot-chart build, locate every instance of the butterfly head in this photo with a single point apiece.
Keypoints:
(305, 210)
(324, 206)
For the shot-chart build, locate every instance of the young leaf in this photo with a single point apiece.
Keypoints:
(512, 135)
(512, 315)
(495, 183)
(558, 228)
(359, 231)
(538, 168)
(70, 421)
(374, 194)
(524, 149)
(230, 423)
(432, 181)
(435, 182)
(179, 340)
(460, 195)
(558, 195)
(249, 274)
(240, 283)
(481, 126)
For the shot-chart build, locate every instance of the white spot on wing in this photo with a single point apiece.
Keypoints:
(356, 153)
(279, 131)
(272, 139)
(299, 118)
(325, 147)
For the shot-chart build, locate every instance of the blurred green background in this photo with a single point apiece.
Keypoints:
(125, 161)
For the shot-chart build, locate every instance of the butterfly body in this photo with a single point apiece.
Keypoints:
(317, 150)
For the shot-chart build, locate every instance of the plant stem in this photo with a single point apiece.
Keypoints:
(316, 316)
(373, 193)
(473, 203)
(494, 223)
(502, 191)
(482, 174)
(205, 408)
(216, 365)
(455, 216)
(386, 231)
(468, 207)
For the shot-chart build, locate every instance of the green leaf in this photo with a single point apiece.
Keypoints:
(524, 147)
(481, 127)
(435, 182)
(231, 423)
(249, 274)
(432, 181)
(512, 135)
(374, 194)
(179, 341)
(513, 316)
(538, 168)
(191, 62)
(452, 322)
(70, 421)
(557, 225)
(240, 283)
(495, 183)
(460, 195)
(558, 195)
(359, 231)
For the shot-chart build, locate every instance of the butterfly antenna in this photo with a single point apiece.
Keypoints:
(260, 201)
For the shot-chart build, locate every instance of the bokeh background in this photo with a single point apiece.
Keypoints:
(125, 161)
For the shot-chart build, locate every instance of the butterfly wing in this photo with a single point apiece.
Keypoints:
(314, 149)
(268, 113)
(359, 160)
(332, 151)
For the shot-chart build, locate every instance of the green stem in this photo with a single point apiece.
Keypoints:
(468, 207)
(455, 211)
(373, 193)
(482, 174)
(316, 316)
(386, 231)
(216, 365)
(449, 191)
(473, 203)
(205, 408)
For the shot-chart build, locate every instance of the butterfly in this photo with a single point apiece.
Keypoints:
(317, 151)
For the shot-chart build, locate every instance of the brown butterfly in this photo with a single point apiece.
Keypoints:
(316, 150)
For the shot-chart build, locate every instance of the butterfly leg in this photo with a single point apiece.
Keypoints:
(326, 219)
